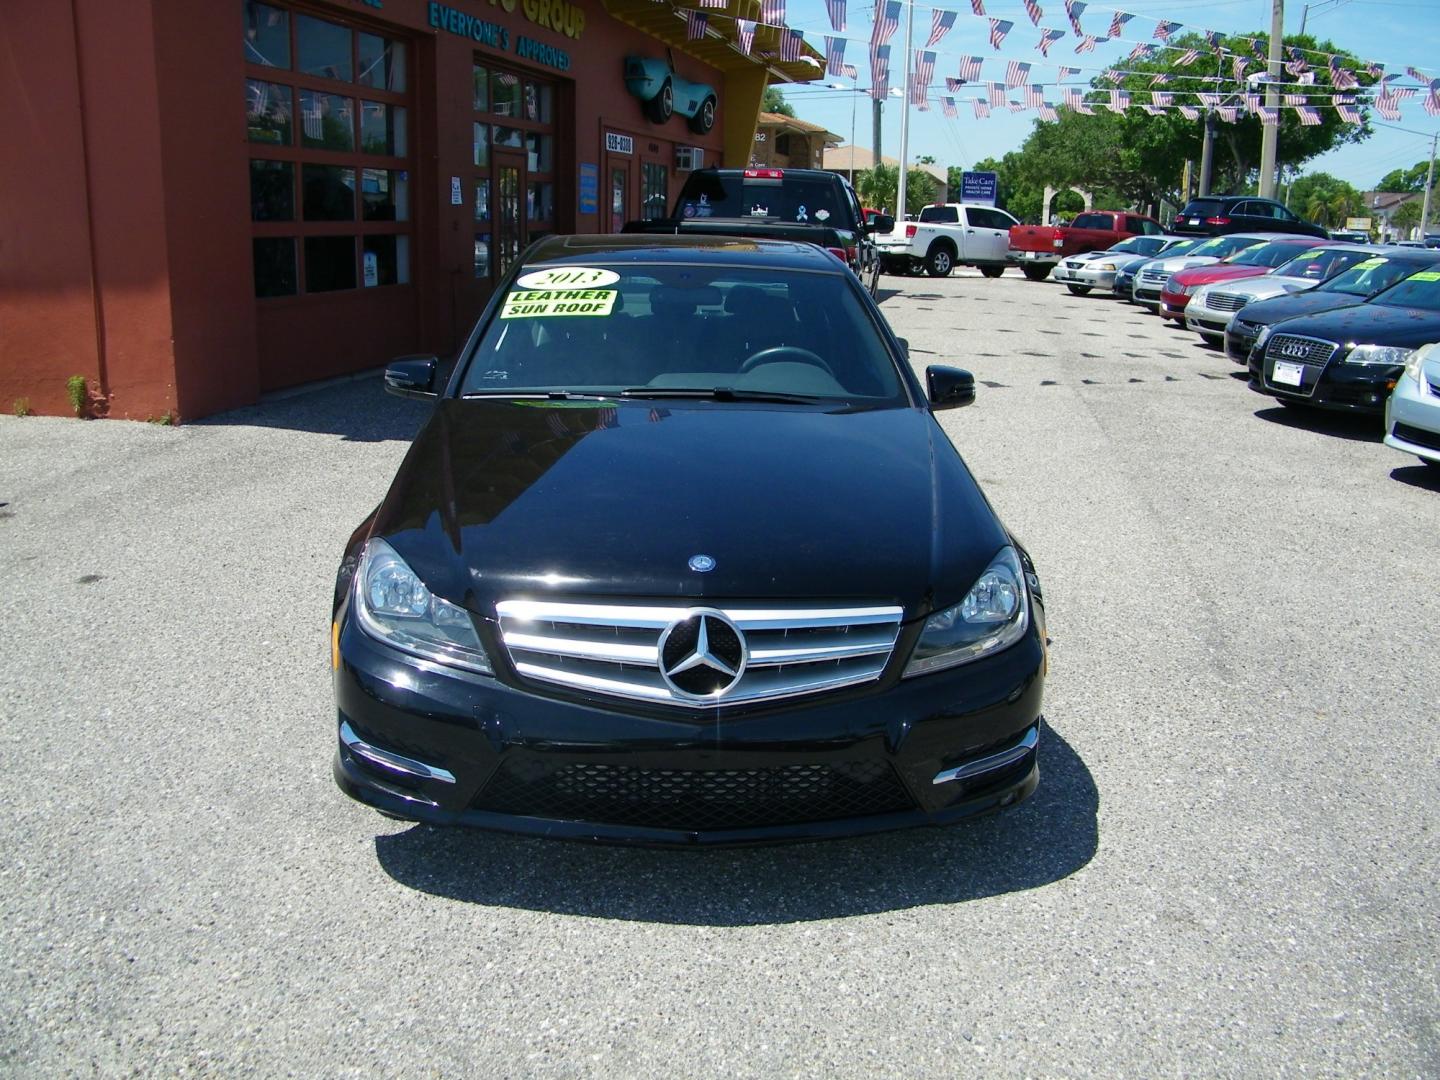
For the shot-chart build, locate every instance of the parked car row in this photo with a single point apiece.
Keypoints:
(1319, 324)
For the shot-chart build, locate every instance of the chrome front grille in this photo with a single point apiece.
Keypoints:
(1226, 302)
(615, 649)
(1300, 350)
(1154, 277)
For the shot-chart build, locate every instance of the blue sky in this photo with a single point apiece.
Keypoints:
(1397, 33)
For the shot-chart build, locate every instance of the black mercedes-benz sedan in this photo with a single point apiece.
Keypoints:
(1363, 281)
(683, 556)
(1348, 359)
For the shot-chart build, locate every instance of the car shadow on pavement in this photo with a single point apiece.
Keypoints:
(1421, 476)
(1049, 837)
(1324, 422)
(358, 410)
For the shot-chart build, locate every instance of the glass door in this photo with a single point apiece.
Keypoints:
(510, 223)
(619, 195)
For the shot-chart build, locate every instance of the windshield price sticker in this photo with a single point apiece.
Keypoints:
(1369, 264)
(568, 277)
(593, 303)
(1426, 275)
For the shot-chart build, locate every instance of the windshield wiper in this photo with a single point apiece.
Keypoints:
(721, 393)
(540, 395)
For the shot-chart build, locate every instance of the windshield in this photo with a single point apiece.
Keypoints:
(674, 328)
(1140, 245)
(1321, 263)
(1264, 255)
(1184, 247)
(1201, 208)
(1218, 247)
(734, 196)
(1371, 275)
(1420, 290)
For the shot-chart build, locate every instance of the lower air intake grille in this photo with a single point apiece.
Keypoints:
(694, 800)
(1418, 436)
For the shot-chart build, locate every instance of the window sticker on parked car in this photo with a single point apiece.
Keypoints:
(567, 277)
(569, 302)
(1425, 275)
(1369, 264)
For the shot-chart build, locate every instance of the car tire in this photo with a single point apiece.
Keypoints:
(992, 271)
(1036, 273)
(1079, 290)
(704, 119)
(940, 260)
(662, 106)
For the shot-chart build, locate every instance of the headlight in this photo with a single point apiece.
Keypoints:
(393, 605)
(1263, 336)
(1106, 266)
(1379, 354)
(1417, 358)
(993, 616)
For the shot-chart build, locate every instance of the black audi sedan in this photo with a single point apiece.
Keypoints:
(683, 556)
(1379, 270)
(1348, 359)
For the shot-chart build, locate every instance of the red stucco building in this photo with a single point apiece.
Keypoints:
(206, 200)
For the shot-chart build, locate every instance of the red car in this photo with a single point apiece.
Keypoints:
(1252, 262)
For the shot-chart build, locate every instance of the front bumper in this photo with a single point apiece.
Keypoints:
(1353, 388)
(1204, 321)
(1240, 339)
(1172, 306)
(430, 744)
(1149, 295)
(1412, 420)
(1084, 275)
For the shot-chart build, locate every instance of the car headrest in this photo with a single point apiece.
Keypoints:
(673, 300)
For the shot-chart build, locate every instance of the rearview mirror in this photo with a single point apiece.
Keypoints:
(411, 376)
(949, 387)
(881, 223)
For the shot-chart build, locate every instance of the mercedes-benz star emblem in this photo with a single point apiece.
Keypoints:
(702, 564)
(702, 655)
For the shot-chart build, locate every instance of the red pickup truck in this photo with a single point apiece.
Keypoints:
(1037, 248)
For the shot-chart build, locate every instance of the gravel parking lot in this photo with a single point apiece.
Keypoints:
(1229, 868)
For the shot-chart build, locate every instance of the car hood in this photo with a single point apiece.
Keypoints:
(1177, 263)
(1369, 324)
(1279, 308)
(503, 498)
(1208, 275)
(1267, 285)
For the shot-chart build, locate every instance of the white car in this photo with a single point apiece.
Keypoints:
(1151, 279)
(1212, 307)
(1097, 269)
(948, 235)
(1412, 415)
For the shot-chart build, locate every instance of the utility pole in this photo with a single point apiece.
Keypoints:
(1270, 133)
(1429, 181)
(875, 106)
(1207, 153)
(905, 113)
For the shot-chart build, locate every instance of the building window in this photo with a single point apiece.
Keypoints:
(513, 150)
(327, 115)
(654, 190)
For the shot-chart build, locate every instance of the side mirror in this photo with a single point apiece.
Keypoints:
(411, 376)
(881, 223)
(949, 387)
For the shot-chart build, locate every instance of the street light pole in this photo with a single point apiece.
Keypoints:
(1429, 182)
(1270, 133)
(905, 113)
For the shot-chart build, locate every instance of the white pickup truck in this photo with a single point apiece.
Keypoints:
(948, 235)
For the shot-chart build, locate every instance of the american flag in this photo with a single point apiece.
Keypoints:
(713, 3)
(1342, 77)
(1035, 12)
(1072, 95)
(834, 55)
(1210, 101)
(1345, 106)
(1088, 43)
(1295, 99)
(1252, 103)
(1119, 100)
(1111, 75)
(978, 6)
(1228, 113)
(887, 21)
(1016, 72)
(1188, 57)
(1161, 97)
(791, 44)
(1297, 62)
(1213, 38)
(1417, 75)
(836, 9)
(947, 106)
(1046, 111)
(970, 68)
(1238, 66)
(556, 423)
(924, 69)
(695, 23)
(1258, 48)
(1432, 97)
(850, 71)
(772, 12)
(1308, 116)
(1118, 23)
(998, 29)
(879, 70)
(982, 108)
(1269, 117)
(1153, 110)
(953, 84)
(1160, 79)
(1140, 52)
(1085, 110)
(996, 93)
(1189, 112)
(1163, 30)
(1035, 96)
(1375, 71)
(1073, 10)
(1016, 106)
(1062, 73)
(745, 31)
(917, 89)
(940, 26)
(1048, 38)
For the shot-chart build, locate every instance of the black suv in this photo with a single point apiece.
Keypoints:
(1215, 215)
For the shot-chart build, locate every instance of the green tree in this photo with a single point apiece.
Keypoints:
(1405, 218)
(774, 102)
(878, 187)
(1411, 179)
(1325, 199)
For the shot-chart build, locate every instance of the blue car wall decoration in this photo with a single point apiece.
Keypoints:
(663, 93)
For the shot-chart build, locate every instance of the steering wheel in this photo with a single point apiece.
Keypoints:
(779, 354)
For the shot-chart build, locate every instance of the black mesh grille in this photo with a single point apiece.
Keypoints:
(694, 800)
(1418, 436)
(1300, 350)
